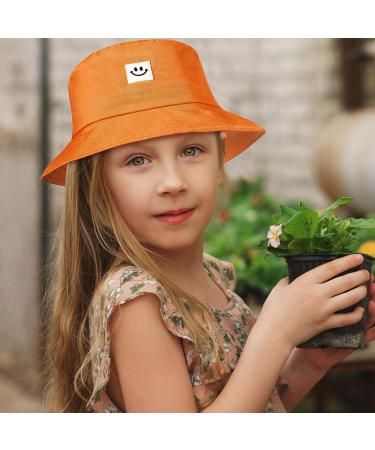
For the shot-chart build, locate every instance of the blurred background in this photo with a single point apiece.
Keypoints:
(316, 100)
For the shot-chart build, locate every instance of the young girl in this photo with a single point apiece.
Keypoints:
(139, 317)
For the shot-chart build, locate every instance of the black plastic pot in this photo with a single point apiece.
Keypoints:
(352, 336)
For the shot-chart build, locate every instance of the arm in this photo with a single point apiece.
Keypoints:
(149, 360)
(255, 374)
(301, 377)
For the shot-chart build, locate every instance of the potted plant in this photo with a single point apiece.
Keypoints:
(307, 239)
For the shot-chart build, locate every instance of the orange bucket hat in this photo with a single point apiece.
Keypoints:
(139, 90)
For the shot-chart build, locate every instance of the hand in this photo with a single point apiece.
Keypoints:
(309, 304)
(325, 358)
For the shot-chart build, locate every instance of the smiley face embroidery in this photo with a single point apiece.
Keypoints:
(139, 71)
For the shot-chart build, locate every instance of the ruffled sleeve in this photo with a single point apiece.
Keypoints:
(124, 285)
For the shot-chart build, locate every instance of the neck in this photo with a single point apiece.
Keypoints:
(185, 266)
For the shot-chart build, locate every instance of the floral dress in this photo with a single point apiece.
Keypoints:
(232, 326)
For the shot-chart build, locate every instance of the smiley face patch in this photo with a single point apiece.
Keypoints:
(139, 71)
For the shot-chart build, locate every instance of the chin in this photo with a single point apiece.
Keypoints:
(172, 243)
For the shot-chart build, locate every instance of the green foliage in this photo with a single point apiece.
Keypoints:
(304, 231)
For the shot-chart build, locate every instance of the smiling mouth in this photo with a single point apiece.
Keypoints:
(176, 218)
(139, 74)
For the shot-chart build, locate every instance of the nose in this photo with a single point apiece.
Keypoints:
(172, 180)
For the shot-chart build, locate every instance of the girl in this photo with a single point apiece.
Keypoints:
(139, 317)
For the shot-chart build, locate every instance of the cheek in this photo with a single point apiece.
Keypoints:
(131, 203)
(128, 198)
(133, 211)
(208, 184)
(207, 194)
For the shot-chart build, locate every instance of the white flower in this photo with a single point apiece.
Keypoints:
(273, 235)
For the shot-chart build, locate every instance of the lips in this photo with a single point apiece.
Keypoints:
(176, 219)
(174, 212)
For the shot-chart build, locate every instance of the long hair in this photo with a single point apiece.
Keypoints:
(90, 237)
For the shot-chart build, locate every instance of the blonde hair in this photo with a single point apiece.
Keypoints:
(91, 236)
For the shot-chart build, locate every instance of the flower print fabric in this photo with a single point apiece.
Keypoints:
(232, 326)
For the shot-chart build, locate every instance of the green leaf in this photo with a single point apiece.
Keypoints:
(362, 223)
(262, 243)
(316, 244)
(304, 224)
(287, 212)
(277, 251)
(300, 245)
(339, 202)
(277, 218)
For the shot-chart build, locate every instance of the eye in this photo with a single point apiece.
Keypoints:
(129, 163)
(133, 159)
(193, 146)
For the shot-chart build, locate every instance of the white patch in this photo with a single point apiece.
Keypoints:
(139, 71)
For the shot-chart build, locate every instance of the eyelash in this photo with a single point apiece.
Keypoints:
(140, 156)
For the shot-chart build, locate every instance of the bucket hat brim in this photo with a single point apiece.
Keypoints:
(151, 123)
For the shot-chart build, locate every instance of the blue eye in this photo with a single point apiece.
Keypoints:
(129, 163)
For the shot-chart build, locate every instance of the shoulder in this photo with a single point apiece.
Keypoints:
(127, 282)
(144, 294)
(224, 270)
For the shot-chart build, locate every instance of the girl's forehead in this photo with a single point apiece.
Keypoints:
(152, 143)
(180, 137)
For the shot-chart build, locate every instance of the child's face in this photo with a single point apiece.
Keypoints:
(170, 172)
